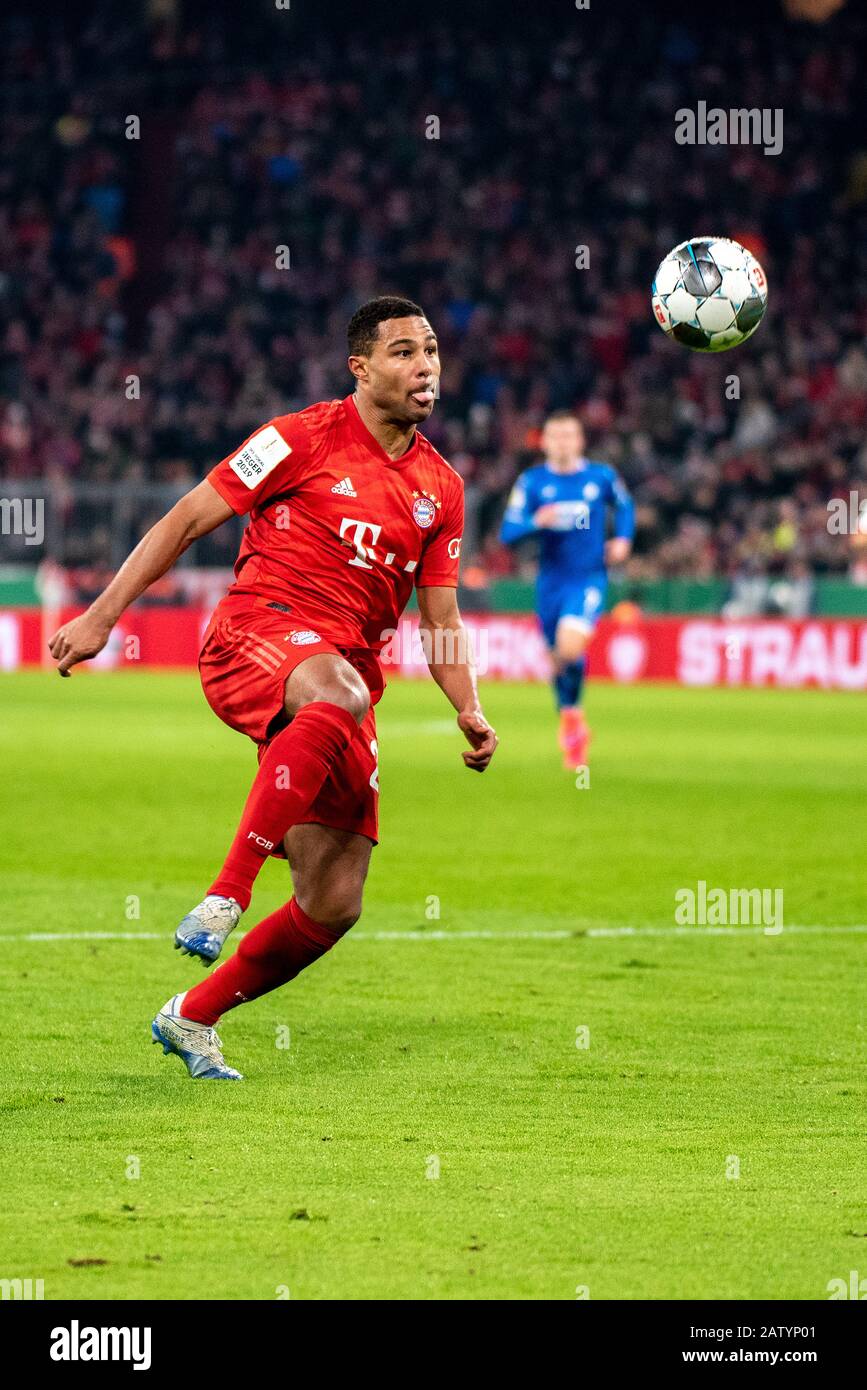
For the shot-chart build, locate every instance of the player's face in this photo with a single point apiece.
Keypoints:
(402, 372)
(562, 441)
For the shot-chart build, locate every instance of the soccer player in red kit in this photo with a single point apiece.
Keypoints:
(350, 507)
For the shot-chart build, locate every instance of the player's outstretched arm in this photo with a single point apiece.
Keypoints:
(200, 511)
(449, 655)
(619, 546)
(523, 518)
(519, 520)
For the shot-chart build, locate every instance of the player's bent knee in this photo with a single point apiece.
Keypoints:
(337, 688)
(355, 699)
(335, 904)
(567, 656)
(571, 646)
(336, 917)
(342, 923)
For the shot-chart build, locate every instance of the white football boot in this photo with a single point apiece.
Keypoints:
(205, 928)
(196, 1044)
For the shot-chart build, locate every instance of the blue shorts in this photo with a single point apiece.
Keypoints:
(581, 600)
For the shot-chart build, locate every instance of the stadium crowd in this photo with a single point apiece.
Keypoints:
(164, 289)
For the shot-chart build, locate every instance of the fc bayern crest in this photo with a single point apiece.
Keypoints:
(304, 639)
(423, 511)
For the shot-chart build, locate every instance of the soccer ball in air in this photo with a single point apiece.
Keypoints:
(709, 293)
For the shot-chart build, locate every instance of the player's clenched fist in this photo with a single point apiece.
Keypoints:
(78, 640)
(478, 732)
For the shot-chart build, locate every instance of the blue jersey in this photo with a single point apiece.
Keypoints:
(575, 546)
(572, 581)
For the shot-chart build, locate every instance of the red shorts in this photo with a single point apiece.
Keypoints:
(249, 649)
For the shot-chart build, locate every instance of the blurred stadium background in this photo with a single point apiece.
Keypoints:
(146, 328)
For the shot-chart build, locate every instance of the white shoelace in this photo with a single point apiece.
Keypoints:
(206, 1043)
(208, 911)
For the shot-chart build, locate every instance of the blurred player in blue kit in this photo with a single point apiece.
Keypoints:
(566, 501)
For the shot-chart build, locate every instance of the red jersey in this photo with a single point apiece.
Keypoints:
(338, 531)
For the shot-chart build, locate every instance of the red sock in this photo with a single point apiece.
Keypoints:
(275, 951)
(291, 772)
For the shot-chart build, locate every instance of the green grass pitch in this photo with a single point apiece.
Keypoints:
(559, 1167)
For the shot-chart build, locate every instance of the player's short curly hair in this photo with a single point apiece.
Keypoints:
(363, 327)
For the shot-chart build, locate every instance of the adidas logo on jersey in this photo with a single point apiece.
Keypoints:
(345, 488)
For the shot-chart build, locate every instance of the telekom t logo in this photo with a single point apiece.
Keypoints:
(357, 540)
(364, 551)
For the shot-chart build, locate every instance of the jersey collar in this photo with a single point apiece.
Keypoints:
(573, 472)
(360, 432)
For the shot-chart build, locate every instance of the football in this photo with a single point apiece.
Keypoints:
(709, 293)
